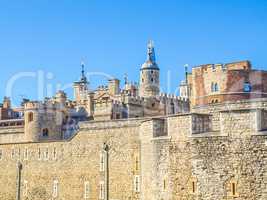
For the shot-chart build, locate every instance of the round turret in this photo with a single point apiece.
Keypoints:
(149, 75)
(31, 117)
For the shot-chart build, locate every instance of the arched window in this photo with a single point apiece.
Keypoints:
(216, 87)
(152, 80)
(45, 132)
(212, 87)
(30, 117)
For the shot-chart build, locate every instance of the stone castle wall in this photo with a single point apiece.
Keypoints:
(172, 158)
(74, 162)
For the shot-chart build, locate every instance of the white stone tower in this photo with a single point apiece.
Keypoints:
(81, 87)
(149, 74)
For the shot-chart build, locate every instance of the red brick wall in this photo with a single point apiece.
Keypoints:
(234, 88)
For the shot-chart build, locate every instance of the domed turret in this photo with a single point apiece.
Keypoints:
(149, 74)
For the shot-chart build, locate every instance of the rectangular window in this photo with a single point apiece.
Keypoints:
(137, 183)
(164, 185)
(233, 189)
(86, 190)
(1, 154)
(26, 154)
(101, 190)
(25, 188)
(55, 188)
(102, 161)
(193, 187)
(136, 163)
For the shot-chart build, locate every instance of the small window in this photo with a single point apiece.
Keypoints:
(55, 188)
(153, 105)
(102, 161)
(152, 80)
(164, 185)
(216, 87)
(193, 187)
(55, 153)
(25, 188)
(233, 185)
(152, 71)
(86, 190)
(247, 87)
(212, 87)
(101, 190)
(136, 163)
(142, 80)
(1, 154)
(12, 153)
(137, 183)
(45, 132)
(39, 153)
(30, 117)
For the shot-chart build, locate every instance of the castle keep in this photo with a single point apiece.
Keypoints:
(136, 143)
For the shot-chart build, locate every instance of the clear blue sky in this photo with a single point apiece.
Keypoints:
(111, 36)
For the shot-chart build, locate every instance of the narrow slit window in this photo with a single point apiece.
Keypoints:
(233, 189)
(39, 153)
(25, 188)
(137, 183)
(136, 163)
(55, 153)
(193, 187)
(86, 190)
(102, 190)
(164, 184)
(55, 188)
(102, 161)
(30, 117)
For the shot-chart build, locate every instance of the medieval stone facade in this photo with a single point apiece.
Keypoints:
(134, 143)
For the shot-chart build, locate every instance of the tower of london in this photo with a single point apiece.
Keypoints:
(133, 142)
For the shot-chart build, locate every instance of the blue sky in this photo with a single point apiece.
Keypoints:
(111, 36)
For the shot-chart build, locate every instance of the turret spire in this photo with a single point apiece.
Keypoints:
(151, 52)
(83, 77)
(186, 72)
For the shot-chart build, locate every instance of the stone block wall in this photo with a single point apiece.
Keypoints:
(159, 159)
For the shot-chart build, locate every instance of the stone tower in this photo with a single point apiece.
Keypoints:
(184, 86)
(81, 87)
(149, 74)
